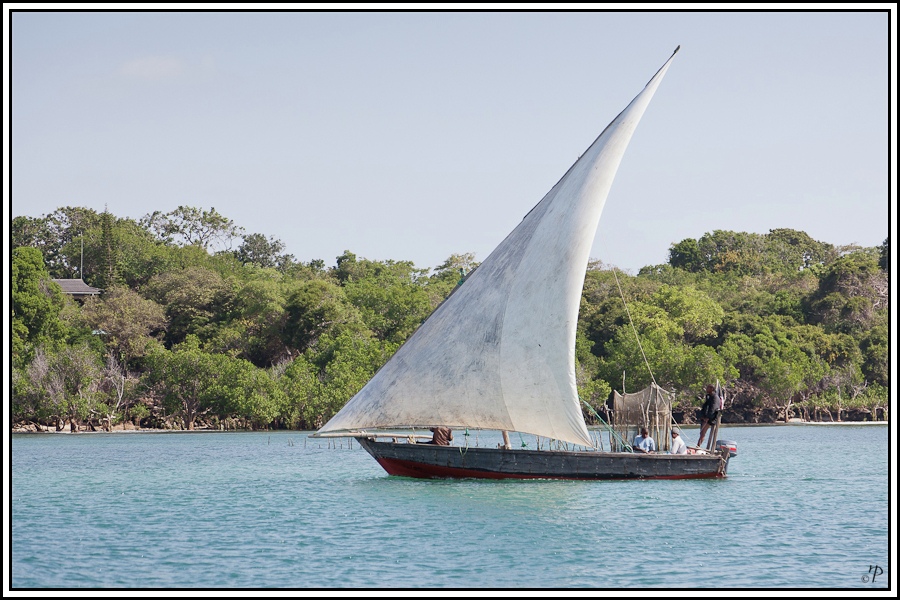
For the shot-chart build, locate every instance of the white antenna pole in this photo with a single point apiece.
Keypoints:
(81, 268)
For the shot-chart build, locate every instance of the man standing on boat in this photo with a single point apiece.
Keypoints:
(644, 443)
(709, 412)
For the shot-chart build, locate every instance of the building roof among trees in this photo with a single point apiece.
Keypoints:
(77, 287)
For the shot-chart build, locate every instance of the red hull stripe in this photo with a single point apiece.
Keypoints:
(405, 468)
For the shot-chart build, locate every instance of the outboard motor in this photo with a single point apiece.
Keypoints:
(727, 445)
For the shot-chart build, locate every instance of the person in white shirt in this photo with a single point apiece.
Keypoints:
(678, 445)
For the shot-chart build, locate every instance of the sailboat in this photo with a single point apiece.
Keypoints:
(499, 353)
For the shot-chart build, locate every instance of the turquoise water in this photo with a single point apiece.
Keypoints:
(803, 507)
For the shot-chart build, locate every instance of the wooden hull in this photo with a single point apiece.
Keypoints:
(429, 461)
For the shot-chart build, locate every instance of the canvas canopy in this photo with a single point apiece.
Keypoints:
(651, 407)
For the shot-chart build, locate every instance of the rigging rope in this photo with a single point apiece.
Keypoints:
(673, 423)
(612, 432)
(628, 312)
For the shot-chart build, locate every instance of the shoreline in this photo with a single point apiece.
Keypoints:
(120, 429)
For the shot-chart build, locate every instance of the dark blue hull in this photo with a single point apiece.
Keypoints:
(429, 461)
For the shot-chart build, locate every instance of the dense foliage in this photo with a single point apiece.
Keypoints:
(189, 331)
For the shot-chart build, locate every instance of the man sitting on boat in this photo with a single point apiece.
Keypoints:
(644, 443)
(441, 436)
(678, 445)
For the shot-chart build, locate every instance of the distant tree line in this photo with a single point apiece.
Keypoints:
(200, 323)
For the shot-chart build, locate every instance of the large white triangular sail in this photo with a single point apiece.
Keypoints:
(499, 353)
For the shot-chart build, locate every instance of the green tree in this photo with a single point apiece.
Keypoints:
(252, 327)
(57, 236)
(29, 399)
(347, 267)
(781, 250)
(781, 380)
(125, 320)
(267, 253)
(70, 379)
(302, 402)
(259, 398)
(791, 375)
(108, 269)
(656, 352)
(139, 255)
(603, 310)
(874, 347)
(791, 250)
(686, 255)
(118, 388)
(455, 266)
(701, 365)
(591, 389)
(852, 290)
(316, 308)
(318, 383)
(346, 364)
(785, 361)
(36, 305)
(390, 300)
(191, 298)
(720, 251)
(447, 276)
(190, 382)
(188, 226)
(695, 312)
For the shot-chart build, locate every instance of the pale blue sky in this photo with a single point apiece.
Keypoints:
(412, 136)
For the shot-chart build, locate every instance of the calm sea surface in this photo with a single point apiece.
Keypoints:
(804, 506)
